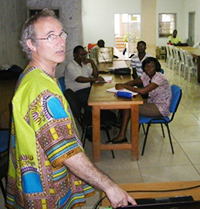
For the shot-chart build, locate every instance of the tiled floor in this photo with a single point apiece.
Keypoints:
(158, 163)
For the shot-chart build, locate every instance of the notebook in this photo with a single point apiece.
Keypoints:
(107, 79)
(114, 90)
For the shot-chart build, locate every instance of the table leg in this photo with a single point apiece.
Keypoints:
(198, 70)
(135, 131)
(96, 134)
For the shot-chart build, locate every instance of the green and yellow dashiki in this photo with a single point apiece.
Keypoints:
(43, 135)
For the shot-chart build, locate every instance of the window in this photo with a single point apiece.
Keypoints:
(167, 23)
(127, 32)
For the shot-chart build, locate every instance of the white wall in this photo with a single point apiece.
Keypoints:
(173, 6)
(98, 18)
(193, 6)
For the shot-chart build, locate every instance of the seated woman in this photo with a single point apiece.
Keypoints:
(158, 89)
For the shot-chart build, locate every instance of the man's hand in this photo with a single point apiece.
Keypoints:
(95, 72)
(134, 73)
(86, 61)
(119, 86)
(99, 79)
(118, 197)
(82, 167)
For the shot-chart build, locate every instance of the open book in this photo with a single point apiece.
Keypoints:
(114, 90)
(108, 79)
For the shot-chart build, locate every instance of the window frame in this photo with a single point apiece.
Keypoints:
(171, 27)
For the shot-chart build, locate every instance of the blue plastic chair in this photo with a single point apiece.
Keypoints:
(4, 144)
(61, 81)
(176, 97)
(4, 140)
(162, 71)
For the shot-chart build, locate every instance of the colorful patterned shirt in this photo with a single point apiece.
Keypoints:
(161, 96)
(43, 135)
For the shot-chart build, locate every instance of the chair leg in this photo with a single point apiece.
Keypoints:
(162, 130)
(83, 138)
(145, 139)
(109, 139)
(186, 70)
(3, 190)
(170, 140)
(179, 70)
(143, 128)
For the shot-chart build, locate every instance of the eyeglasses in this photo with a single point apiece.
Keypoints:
(53, 37)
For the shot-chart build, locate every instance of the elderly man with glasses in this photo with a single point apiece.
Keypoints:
(47, 164)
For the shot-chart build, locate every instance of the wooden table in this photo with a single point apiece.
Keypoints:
(161, 189)
(196, 54)
(100, 99)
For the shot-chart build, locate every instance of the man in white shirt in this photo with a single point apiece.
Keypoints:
(79, 74)
(138, 58)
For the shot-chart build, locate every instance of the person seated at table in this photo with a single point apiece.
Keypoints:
(79, 74)
(138, 58)
(93, 51)
(174, 39)
(158, 102)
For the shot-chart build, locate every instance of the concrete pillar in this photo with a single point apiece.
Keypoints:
(148, 25)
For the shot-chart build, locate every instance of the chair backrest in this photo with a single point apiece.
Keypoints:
(176, 97)
(196, 45)
(167, 49)
(61, 81)
(182, 55)
(188, 59)
(177, 54)
(105, 54)
(162, 71)
(172, 51)
(4, 140)
(74, 104)
(91, 45)
(182, 58)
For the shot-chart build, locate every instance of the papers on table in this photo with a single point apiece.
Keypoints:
(108, 79)
(114, 90)
(111, 68)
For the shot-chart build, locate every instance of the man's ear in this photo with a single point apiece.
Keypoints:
(30, 45)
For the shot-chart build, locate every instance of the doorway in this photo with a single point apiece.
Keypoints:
(127, 33)
(191, 29)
